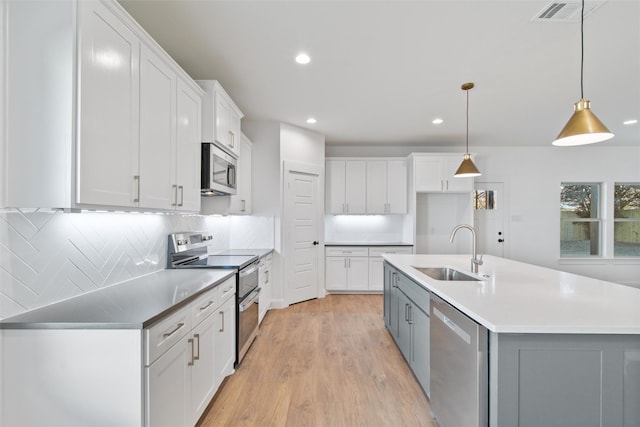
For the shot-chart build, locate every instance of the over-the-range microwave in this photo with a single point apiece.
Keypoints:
(218, 171)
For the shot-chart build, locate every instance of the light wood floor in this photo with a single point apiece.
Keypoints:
(326, 362)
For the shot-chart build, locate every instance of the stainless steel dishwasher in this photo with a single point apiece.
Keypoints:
(459, 370)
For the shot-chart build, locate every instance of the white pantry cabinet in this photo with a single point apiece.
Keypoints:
(434, 173)
(387, 186)
(93, 123)
(221, 117)
(346, 186)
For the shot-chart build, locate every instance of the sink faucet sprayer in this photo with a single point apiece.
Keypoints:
(475, 261)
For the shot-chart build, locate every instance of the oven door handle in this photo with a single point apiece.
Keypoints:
(253, 297)
(250, 269)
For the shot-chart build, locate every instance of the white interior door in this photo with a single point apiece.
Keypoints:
(303, 212)
(490, 204)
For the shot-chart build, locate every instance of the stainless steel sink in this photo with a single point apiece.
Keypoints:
(446, 273)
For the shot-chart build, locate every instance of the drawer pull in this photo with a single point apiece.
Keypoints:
(178, 326)
(222, 321)
(207, 306)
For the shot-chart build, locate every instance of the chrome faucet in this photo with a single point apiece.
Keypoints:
(475, 261)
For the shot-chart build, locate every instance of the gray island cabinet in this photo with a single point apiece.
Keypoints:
(563, 350)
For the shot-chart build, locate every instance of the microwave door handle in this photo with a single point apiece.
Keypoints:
(232, 176)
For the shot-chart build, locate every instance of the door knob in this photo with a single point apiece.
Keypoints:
(315, 242)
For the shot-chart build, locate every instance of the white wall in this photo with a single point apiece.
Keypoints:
(273, 144)
(364, 228)
(532, 177)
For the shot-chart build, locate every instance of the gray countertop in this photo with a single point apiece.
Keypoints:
(367, 244)
(134, 304)
(257, 252)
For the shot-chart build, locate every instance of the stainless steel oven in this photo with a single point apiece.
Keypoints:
(247, 308)
(189, 250)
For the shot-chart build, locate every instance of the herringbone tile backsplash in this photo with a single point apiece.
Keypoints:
(48, 256)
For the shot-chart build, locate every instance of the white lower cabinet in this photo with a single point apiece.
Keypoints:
(181, 382)
(264, 303)
(357, 268)
(376, 269)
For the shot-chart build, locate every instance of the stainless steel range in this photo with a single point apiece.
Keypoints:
(190, 250)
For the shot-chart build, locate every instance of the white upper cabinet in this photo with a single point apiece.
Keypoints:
(365, 185)
(104, 101)
(157, 131)
(240, 203)
(109, 98)
(346, 186)
(188, 147)
(434, 173)
(387, 186)
(221, 117)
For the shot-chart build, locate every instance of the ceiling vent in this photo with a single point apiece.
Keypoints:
(566, 11)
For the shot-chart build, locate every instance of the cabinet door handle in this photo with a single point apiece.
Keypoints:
(244, 205)
(197, 336)
(232, 142)
(410, 320)
(178, 326)
(393, 279)
(266, 273)
(137, 179)
(190, 340)
(222, 321)
(175, 195)
(181, 188)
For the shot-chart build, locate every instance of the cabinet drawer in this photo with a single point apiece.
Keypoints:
(347, 251)
(226, 289)
(415, 292)
(161, 336)
(205, 305)
(377, 251)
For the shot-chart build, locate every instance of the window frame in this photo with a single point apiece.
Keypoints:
(599, 220)
(618, 220)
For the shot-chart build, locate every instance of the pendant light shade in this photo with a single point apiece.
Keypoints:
(583, 127)
(467, 169)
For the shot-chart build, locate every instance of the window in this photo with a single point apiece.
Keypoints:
(626, 213)
(580, 224)
(484, 200)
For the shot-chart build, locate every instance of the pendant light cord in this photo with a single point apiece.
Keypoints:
(582, 51)
(467, 151)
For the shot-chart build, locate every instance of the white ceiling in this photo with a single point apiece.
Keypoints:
(381, 71)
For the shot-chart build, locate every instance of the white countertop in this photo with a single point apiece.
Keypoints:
(523, 298)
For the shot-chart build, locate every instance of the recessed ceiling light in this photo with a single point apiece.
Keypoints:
(630, 122)
(303, 58)
(311, 120)
(437, 121)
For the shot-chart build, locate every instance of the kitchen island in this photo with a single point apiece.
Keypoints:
(563, 350)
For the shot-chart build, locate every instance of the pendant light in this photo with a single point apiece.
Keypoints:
(467, 169)
(583, 127)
